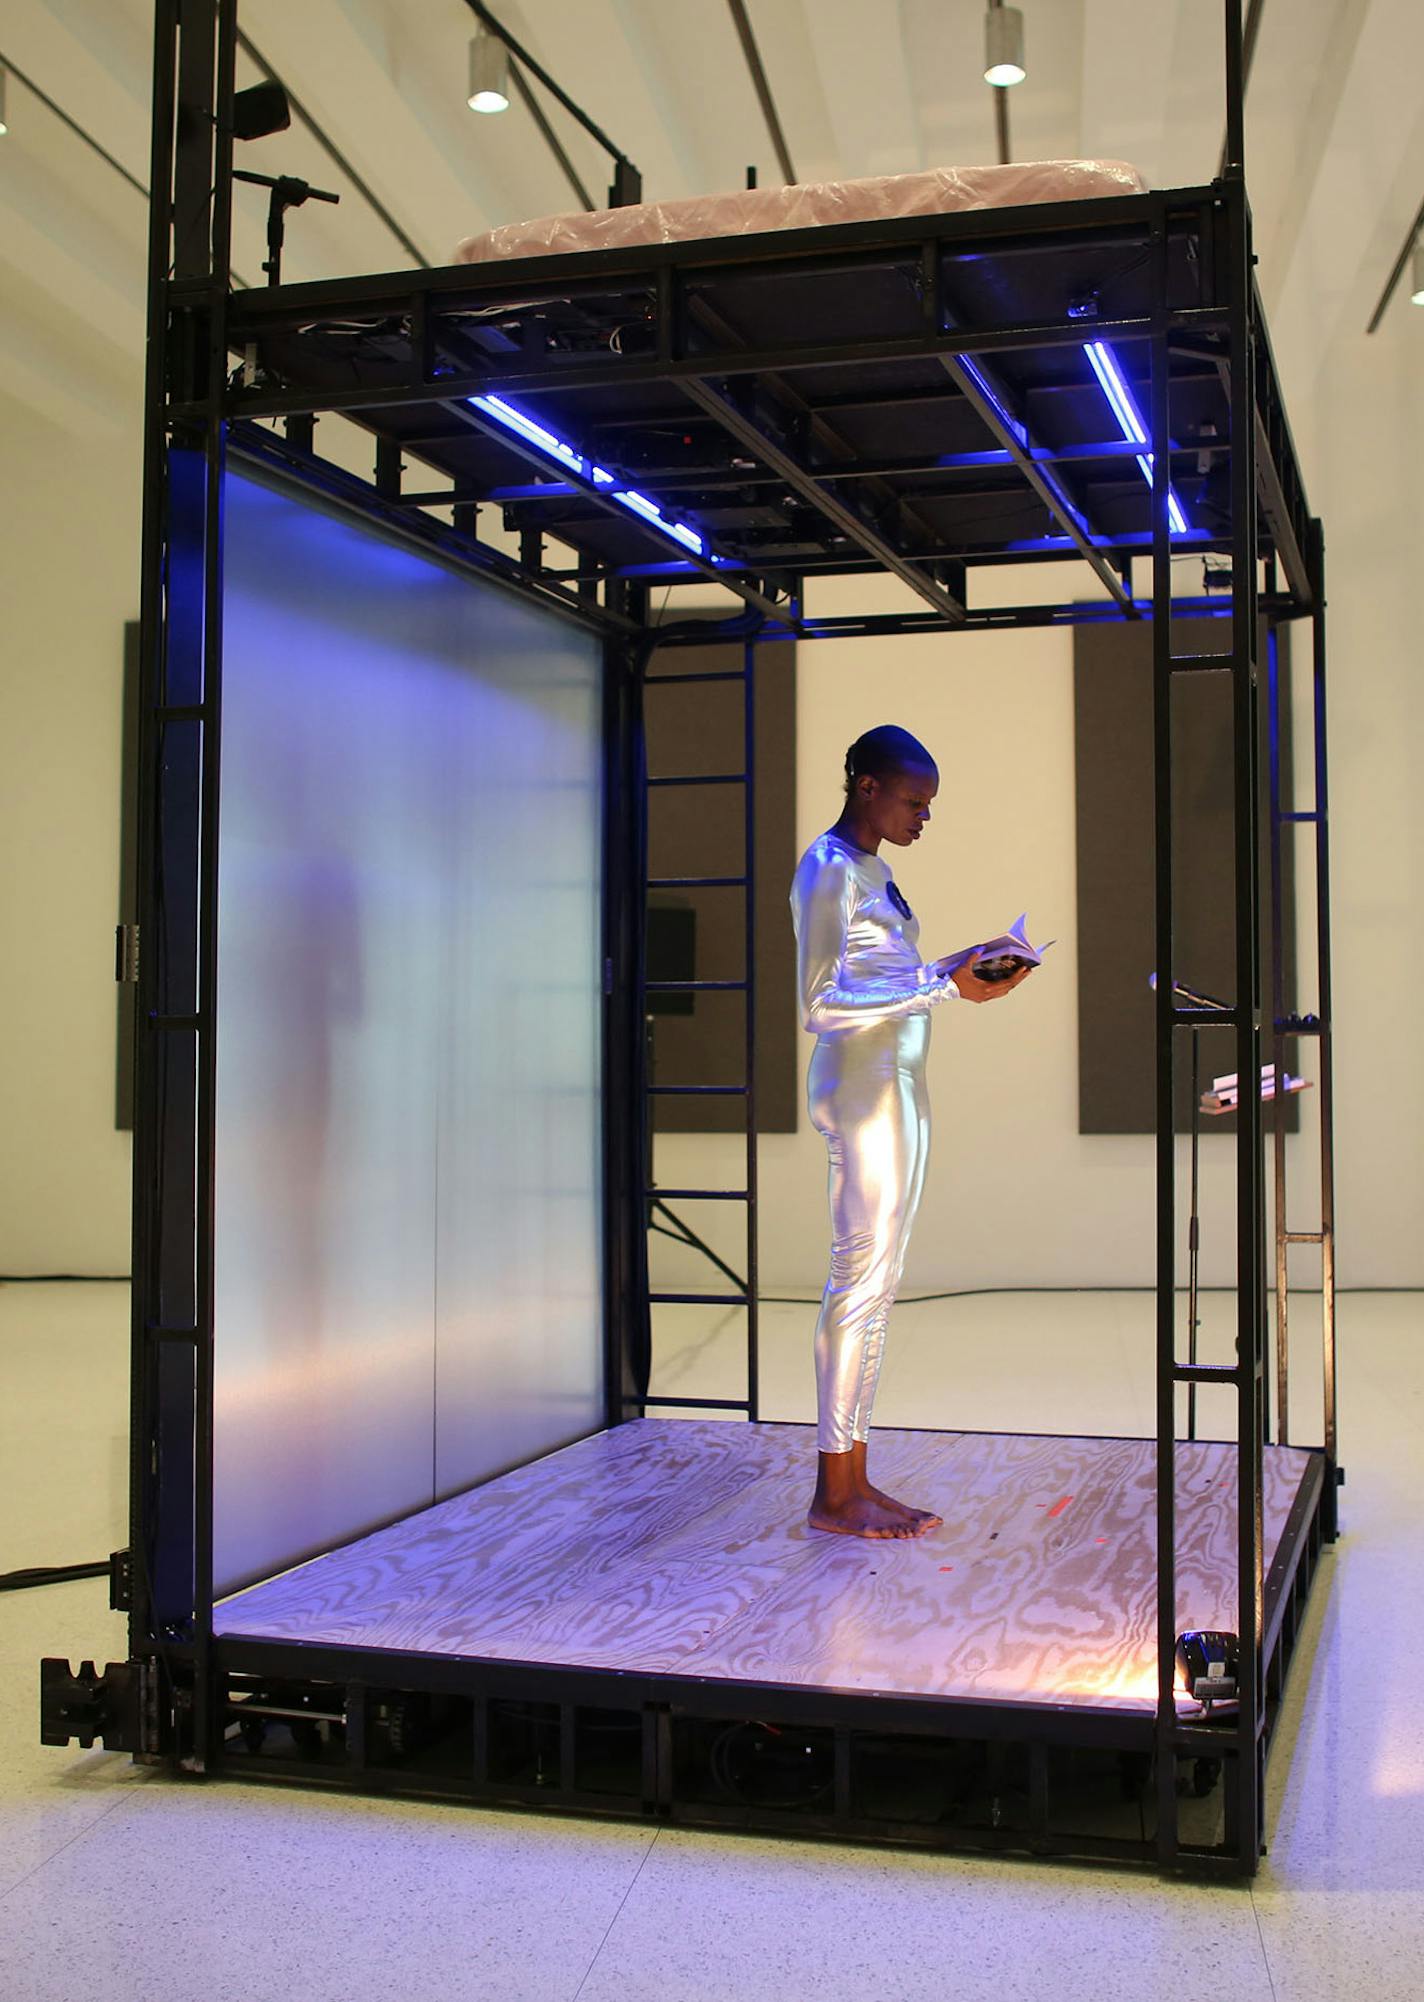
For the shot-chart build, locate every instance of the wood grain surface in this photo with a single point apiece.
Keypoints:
(681, 1547)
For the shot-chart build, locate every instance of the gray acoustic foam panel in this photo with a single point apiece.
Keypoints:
(1112, 692)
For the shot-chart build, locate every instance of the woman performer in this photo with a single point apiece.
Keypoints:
(866, 996)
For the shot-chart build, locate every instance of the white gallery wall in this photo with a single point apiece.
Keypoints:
(1016, 1196)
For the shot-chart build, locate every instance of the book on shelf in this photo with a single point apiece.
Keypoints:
(1225, 1092)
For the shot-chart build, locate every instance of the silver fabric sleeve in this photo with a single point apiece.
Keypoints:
(827, 1004)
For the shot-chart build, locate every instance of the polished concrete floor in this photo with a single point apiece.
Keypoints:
(118, 1885)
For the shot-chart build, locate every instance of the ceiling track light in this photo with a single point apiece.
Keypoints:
(1416, 273)
(489, 73)
(1004, 46)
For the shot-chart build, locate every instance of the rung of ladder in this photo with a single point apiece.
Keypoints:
(698, 1300)
(697, 882)
(698, 1195)
(1304, 1236)
(1202, 1017)
(1206, 1372)
(1200, 663)
(717, 674)
(1297, 816)
(694, 986)
(702, 779)
(697, 1091)
(698, 1403)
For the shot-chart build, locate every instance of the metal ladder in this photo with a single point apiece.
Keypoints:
(1289, 1026)
(653, 1196)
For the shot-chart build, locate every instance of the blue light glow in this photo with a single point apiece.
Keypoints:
(1123, 405)
(532, 432)
(991, 397)
(650, 511)
(598, 477)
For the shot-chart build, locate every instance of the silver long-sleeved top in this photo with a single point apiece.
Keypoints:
(858, 956)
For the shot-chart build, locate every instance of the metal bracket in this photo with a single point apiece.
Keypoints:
(120, 1581)
(126, 954)
(88, 1705)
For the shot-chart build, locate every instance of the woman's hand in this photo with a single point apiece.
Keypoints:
(971, 988)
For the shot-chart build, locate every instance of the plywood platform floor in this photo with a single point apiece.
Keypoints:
(677, 1546)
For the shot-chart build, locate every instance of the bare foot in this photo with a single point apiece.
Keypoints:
(863, 1485)
(866, 1515)
(924, 1516)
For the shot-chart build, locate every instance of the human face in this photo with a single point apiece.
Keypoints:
(899, 808)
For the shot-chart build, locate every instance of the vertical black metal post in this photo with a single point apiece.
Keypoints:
(205, 1730)
(1280, 1047)
(627, 1172)
(179, 750)
(1326, 1083)
(1250, 1207)
(1194, 1233)
(1160, 424)
(144, 1288)
(1235, 90)
(749, 898)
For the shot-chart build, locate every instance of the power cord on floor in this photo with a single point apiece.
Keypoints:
(50, 1574)
(64, 1278)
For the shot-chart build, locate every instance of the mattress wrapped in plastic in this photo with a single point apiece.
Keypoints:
(880, 198)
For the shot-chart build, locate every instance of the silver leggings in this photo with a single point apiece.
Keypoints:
(866, 1090)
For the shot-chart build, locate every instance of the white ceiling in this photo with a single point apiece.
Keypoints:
(863, 86)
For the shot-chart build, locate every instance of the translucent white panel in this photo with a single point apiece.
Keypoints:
(405, 1000)
(520, 1265)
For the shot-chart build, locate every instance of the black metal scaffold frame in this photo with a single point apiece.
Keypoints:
(415, 347)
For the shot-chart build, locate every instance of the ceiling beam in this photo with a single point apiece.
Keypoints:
(742, 22)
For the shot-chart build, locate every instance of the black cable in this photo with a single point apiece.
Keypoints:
(64, 1278)
(685, 1234)
(50, 1574)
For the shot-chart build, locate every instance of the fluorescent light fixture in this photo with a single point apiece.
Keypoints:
(533, 432)
(489, 73)
(1416, 287)
(1123, 404)
(1004, 46)
(544, 440)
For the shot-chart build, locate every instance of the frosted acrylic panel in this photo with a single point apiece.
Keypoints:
(519, 1137)
(407, 1229)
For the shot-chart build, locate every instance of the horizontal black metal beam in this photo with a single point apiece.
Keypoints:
(1126, 220)
(1012, 434)
(623, 372)
(420, 531)
(814, 490)
(466, 413)
(885, 624)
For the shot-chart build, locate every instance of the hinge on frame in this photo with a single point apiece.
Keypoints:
(126, 954)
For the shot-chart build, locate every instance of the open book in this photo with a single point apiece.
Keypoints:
(1004, 955)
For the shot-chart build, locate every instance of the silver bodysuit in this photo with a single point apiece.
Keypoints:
(866, 996)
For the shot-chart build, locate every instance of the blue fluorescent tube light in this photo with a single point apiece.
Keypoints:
(539, 435)
(1123, 405)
